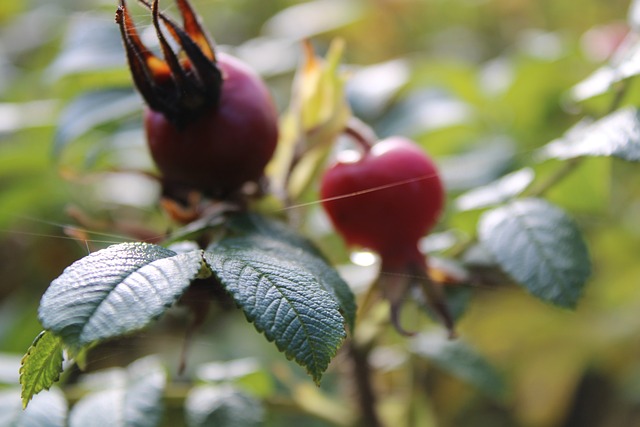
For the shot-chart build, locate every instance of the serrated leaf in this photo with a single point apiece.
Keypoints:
(615, 135)
(284, 299)
(137, 403)
(209, 406)
(461, 361)
(115, 291)
(46, 410)
(92, 109)
(496, 192)
(285, 242)
(540, 247)
(41, 365)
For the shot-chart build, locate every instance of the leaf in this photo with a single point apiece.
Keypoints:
(318, 114)
(92, 43)
(615, 135)
(624, 64)
(138, 403)
(319, 16)
(115, 291)
(285, 242)
(209, 406)
(92, 109)
(496, 192)
(282, 297)
(41, 365)
(46, 410)
(540, 247)
(461, 361)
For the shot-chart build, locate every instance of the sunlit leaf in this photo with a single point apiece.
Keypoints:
(115, 291)
(318, 16)
(318, 114)
(209, 406)
(282, 296)
(540, 247)
(41, 365)
(92, 43)
(91, 110)
(137, 403)
(45, 410)
(461, 361)
(615, 135)
(496, 192)
(624, 64)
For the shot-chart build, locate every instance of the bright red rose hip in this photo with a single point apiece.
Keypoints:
(386, 200)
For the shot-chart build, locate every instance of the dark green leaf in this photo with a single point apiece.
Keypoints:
(115, 291)
(617, 135)
(284, 243)
(209, 406)
(252, 223)
(496, 192)
(461, 361)
(136, 403)
(540, 247)
(91, 110)
(41, 365)
(45, 410)
(282, 297)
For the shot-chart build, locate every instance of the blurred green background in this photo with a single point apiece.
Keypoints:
(479, 83)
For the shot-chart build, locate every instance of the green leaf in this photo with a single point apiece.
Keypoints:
(46, 410)
(209, 406)
(540, 247)
(286, 242)
(496, 192)
(41, 365)
(92, 109)
(461, 361)
(92, 43)
(282, 296)
(624, 64)
(615, 135)
(115, 291)
(136, 403)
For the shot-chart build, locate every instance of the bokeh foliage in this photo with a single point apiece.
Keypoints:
(482, 85)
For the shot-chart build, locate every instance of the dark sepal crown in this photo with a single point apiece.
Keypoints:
(181, 85)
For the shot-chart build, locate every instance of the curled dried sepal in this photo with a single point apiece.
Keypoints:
(182, 84)
(396, 286)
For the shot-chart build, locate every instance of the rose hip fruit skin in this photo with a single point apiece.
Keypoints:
(386, 200)
(227, 145)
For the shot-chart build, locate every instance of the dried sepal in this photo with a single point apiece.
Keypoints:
(182, 84)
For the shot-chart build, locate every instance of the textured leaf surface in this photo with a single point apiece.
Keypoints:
(115, 291)
(616, 135)
(46, 410)
(284, 242)
(461, 361)
(209, 406)
(281, 296)
(540, 247)
(41, 365)
(137, 403)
